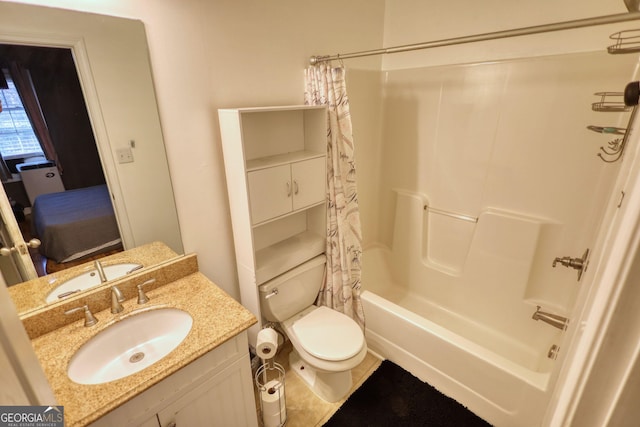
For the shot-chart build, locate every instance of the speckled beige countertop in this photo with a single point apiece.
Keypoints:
(216, 318)
(31, 295)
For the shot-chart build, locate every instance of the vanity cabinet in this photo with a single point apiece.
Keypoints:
(219, 401)
(275, 163)
(214, 390)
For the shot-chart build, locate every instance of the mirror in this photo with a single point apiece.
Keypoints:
(112, 62)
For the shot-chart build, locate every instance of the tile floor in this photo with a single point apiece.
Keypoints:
(304, 408)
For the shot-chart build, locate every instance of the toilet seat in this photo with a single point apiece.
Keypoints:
(329, 335)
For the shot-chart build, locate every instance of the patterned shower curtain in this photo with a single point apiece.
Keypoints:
(325, 85)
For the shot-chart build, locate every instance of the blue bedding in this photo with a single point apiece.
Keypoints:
(75, 223)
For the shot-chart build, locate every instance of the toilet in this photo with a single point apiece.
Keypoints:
(327, 344)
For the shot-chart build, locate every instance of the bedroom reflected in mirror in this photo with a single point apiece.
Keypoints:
(50, 166)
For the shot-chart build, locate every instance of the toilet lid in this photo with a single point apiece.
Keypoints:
(328, 334)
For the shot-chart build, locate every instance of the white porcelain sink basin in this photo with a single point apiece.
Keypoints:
(89, 279)
(129, 346)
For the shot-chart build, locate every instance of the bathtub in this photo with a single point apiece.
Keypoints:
(487, 372)
(496, 377)
(451, 300)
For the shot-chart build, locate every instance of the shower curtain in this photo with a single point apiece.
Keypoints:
(325, 85)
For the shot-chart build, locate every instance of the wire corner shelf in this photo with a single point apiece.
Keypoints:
(610, 102)
(626, 41)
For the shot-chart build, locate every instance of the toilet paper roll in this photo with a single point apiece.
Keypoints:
(267, 343)
(274, 411)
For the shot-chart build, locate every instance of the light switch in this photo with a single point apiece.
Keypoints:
(124, 155)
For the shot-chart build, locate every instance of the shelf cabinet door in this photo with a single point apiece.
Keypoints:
(269, 193)
(308, 178)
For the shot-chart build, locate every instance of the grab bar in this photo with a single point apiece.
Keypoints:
(455, 215)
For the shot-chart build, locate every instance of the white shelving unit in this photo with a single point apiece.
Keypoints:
(275, 163)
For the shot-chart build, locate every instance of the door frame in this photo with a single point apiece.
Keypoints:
(23, 376)
(19, 256)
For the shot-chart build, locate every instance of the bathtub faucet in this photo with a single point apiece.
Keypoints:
(552, 319)
(579, 264)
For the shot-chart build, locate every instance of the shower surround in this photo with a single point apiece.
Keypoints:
(489, 173)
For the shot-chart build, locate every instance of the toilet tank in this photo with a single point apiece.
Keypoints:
(293, 291)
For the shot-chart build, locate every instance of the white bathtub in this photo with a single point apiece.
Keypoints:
(500, 378)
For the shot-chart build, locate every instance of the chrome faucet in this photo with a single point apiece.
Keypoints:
(116, 299)
(552, 319)
(100, 270)
(579, 264)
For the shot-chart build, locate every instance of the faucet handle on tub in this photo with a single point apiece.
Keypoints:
(142, 297)
(579, 264)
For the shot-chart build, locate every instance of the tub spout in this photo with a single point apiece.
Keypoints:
(552, 319)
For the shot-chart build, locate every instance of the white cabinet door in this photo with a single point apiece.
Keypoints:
(308, 179)
(224, 400)
(269, 193)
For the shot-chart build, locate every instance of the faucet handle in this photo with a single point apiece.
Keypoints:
(89, 318)
(142, 297)
(579, 264)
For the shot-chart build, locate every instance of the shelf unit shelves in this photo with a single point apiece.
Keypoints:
(282, 159)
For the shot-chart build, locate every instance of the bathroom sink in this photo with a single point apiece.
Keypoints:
(129, 346)
(89, 279)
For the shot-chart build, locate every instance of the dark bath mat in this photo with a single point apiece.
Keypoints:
(392, 396)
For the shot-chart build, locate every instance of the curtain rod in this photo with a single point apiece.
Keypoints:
(558, 26)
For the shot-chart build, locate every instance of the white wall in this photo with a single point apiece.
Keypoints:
(207, 55)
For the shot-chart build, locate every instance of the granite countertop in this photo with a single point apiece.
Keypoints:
(31, 295)
(216, 318)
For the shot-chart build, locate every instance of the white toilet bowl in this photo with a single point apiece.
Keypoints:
(326, 346)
